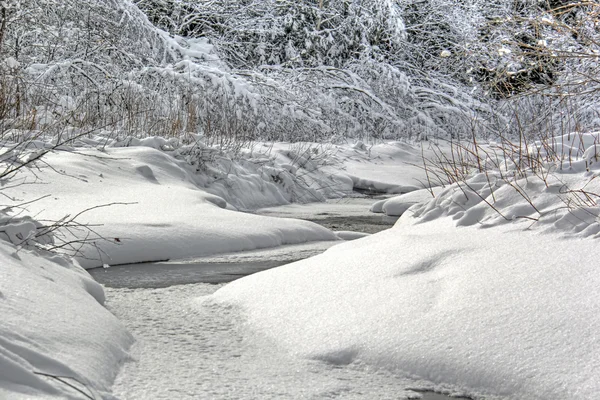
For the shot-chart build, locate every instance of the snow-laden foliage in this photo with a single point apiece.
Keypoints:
(244, 70)
(292, 33)
(544, 57)
(313, 70)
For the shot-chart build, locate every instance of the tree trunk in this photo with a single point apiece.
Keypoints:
(2, 26)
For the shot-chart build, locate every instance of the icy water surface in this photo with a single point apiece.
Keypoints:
(191, 348)
(215, 269)
(350, 214)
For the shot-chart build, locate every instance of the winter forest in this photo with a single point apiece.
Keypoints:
(290, 199)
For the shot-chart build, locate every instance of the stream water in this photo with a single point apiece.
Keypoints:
(191, 348)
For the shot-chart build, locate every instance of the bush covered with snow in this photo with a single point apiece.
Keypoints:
(98, 64)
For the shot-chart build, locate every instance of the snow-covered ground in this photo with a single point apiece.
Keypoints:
(154, 209)
(189, 347)
(398, 205)
(152, 201)
(395, 167)
(144, 202)
(56, 338)
(487, 289)
(449, 306)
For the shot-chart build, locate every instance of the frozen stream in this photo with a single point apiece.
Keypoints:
(191, 348)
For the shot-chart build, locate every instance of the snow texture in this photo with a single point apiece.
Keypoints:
(505, 312)
(153, 201)
(55, 333)
(489, 287)
(446, 305)
(397, 205)
(161, 212)
(209, 355)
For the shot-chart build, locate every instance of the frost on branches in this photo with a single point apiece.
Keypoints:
(228, 70)
(286, 70)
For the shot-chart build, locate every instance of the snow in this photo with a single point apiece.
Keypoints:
(577, 147)
(488, 288)
(351, 235)
(392, 167)
(191, 348)
(397, 205)
(54, 322)
(157, 199)
(155, 208)
(448, 306)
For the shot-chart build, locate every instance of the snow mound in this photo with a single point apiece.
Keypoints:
(393, 167)
(507, 312)
(560, 202)
(55, 331)
(445, 306)
(156, 199)
(567, 147)
(397, 205)
(350, 235)
(153, 208)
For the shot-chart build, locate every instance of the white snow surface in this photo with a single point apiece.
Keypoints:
(397, 205)
(155, 199)
(393, 167)
(53, 322)
(490, 287)
(451, 306)
(167, 214)
(191, 348)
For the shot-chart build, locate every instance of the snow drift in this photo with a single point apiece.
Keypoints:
(489, 289)
(452, 307)
(56, 338)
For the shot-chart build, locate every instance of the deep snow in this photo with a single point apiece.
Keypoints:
(495, 312)
(144, 202)
(54, 323)
(161, 213)
(151, 201)
(189, 347)
(397, 205)
(489, 287)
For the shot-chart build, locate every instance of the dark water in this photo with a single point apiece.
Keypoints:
(161, 275)
(360, 223)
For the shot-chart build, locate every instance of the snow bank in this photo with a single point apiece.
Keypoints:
(161, 199)
(161, 212)
(568, 147)
(397, 205)
(393, 167)
(452, 307)
(54, 324)
(351, 235)
(562, 203)
(509, 311)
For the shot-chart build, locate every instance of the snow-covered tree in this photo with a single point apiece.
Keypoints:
(283, 69)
